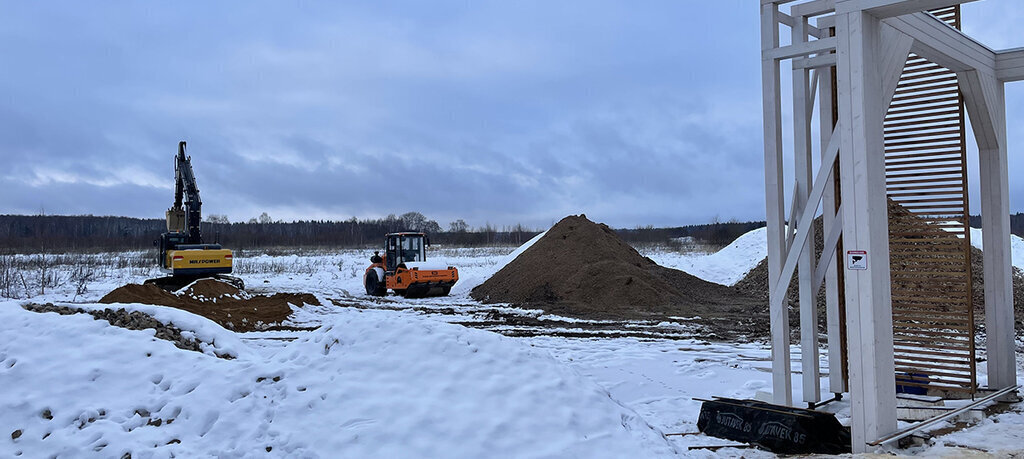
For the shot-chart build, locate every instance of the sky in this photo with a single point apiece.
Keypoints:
(635, 113)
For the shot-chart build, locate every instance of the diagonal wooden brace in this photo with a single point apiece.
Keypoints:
(778, 292)
(829, 249)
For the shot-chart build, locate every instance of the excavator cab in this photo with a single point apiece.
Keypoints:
(405, 269)
(167, 241)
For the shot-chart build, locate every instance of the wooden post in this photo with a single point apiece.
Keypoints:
(782, 386)
(865, 227)
(811, 374)
(986, 105)
(833, 321)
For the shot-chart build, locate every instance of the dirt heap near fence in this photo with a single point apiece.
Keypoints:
(755, 283)
(218, 301)
(583, 269)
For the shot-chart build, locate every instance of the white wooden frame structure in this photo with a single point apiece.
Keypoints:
(868, 50)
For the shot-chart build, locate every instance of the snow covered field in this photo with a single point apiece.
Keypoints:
(726, 266)
(391, 378)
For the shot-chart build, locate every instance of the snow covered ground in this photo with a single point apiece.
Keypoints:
(391, 378)
(366, 384)
(1016, 246)
(726, 266)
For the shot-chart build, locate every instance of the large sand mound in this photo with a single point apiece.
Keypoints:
(755, 283)
(218, 301)
(583, 269)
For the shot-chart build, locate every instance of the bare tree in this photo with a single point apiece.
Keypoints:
(458, 226)
(413, 220)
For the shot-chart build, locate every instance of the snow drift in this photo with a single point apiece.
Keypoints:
(368, 384)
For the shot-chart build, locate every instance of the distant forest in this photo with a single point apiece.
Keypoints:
(52, 234)
(58, 233)
(1016, 223)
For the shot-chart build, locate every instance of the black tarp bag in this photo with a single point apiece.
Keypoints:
(779, 429)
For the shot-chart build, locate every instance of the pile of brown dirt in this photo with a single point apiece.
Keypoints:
(218, 301)
(978, 290)
(583, 269)
(755, 283)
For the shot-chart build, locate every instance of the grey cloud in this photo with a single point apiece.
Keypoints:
(500, 112)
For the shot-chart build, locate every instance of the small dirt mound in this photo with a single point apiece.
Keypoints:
(583, 269)
(140, 293)
(210, 289)
(218, 301)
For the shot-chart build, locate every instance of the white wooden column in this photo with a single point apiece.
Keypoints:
(782, 386)
(836, 383)
(865, 227)
(802, 105)
(986, 107)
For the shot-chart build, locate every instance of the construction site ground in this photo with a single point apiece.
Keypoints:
(655, 367)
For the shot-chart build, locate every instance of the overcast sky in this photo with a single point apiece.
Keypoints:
(636, 113)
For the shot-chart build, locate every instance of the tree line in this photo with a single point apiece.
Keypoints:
(715, 233)
(1016, 223)
(83, 233)
(58, 233)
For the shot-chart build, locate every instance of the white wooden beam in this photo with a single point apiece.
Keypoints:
(819, 61)
(828, 249)
(988, 128)
(782, 385)
(778, 285)
(825, 22)
(888, 8)
(812, 91)
(1010, 65)
(777, 288)
(865, 227)
(895, 50)
(813, 8)
(808, 29)
(818, 46)
(802, 105)
(938, 42)
(986, 105)
(791, 222)
(831, 220)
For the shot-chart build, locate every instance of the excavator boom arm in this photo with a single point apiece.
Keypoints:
(186, 192)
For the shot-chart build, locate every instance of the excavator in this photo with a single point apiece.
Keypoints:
(181, 252)
(405, 270)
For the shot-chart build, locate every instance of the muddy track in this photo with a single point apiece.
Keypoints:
(516, 322)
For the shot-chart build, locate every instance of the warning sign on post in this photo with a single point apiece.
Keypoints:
(857, 259)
